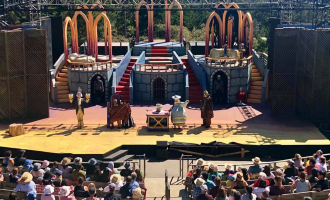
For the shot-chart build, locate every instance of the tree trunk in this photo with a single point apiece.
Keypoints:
(16, 130)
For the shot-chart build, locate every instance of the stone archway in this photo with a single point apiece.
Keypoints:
(152, 86)
(228, 81)
(105, 83)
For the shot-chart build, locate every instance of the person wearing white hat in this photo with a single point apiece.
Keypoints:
(48, 191)
(197, 190)
(256, 168)
(65, 193)
(178, 113)
(204, 194)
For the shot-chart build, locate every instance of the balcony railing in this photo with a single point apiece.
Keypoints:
(158, 67)
(228, 62)
(95, 66)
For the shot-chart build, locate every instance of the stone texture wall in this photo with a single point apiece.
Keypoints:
(143, 85)
(83, 79)
(237, 77)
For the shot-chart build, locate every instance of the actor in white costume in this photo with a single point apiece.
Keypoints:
(178, 113)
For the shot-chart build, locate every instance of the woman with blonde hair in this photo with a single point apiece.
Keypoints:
(301, 184)
(297, 160)
(239, 182)
(222, 194)
(278, 188)
(322, 165)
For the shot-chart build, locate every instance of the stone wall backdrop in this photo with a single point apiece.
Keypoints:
(143, 85)
(237, 77)
(83, 79)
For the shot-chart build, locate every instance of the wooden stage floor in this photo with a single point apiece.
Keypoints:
(252, 125)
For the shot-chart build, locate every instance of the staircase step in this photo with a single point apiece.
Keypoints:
(122, 92)
(255, 74)
(123, 159)
(62, 87)
(64, 67)
(195, 92)
(256, 79)
(63, 91)
(196, 88)
(158, 47)
(61, 83)
(131, 63)
(253, 100)
(254, 96)
(129, 67)
(126, 75)
(63, 75)
(254, 67)
(259, 83)
(63, 100)
(127, 71)
(125, 79)
(61, 79)
(64, 70)
(255, 92)
(122, 88)
(255, 70)
(124, 83)
(62, 96)
(255, 87)
(116, 155)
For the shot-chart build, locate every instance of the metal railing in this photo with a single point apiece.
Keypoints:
(228, 62)
(143, 158)
(94, 66)
(264, 58)
(189, 159)
(158, 68)
(167, 186)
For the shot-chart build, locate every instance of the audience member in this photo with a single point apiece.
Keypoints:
(79, 189)
(297, 160)
(66, 194)
(248, 195)
(322, 165)
(289, 172)
(31, 195)
(37, 173)
(92, 166)
(59, 181)
(127, 171)
(322, 182)
(116, 179)
(78, 172)
(92, 193)
(48, 193)
(14, 176)
(265, 195)
(45, 165)
(8, 162)
(262, 177)
(278, 188)
(203, 195)
(222, 194)
(315, 173)
(311, 165)
(47, 179)
(234, 195)
(54, 168)
(225, 176)
(134, 183)
(215, 190)
(13, 196)
(111, 195)
(197, 174)
(256, 168)
(125, 190)
(97, 175)
(139, 176)
(301, 184)
(269, 174)
(64, 167)
(239, 182)
(105, 176)
(25, 183)
(1, 175)
(262, 186)
(197, 190)
(208, 183)
(245, 174)
(318, 155)
(213, 170)
(136, 193)
(19, 161)
(77, 161)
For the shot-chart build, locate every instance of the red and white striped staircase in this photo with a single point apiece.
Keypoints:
(195, 89)
(123, 86)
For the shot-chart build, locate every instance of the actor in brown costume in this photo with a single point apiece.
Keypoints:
(118, 111)
(207, 109)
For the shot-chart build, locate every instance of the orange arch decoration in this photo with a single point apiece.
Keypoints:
(168, 39)
(107, 32)
(75, 22)
(150, 22)
(65, 37)
(248, 17)
(240, 17)
(207, 30)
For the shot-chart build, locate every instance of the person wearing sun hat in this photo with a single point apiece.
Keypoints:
(204, 195)
(92, 165)
(77, 161)
(65, 193)
(127, 171)
(256, 168)
(213, 170)
(64, 167)
(197, 190)
(178, 113)
(25, 183)
(116, 179)
(111, 195)
(48, 193)
(45, 165)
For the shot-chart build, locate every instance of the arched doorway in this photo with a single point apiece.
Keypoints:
(158, 90)
(220, 88)
(97, 97)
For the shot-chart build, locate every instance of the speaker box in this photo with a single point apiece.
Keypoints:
(161, 151)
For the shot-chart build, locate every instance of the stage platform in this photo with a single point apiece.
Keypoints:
(250, 125)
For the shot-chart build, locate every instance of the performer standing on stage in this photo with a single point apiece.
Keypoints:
(178, 113)
(207, 109)
(79, 103)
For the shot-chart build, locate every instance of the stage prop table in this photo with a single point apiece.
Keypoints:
(158, 121)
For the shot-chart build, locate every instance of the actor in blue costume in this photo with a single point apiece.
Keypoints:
(178, 113)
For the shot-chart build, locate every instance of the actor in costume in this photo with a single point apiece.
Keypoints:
(119, 112)
(98, 89)
(240, 96)
(218, 89)
(79, 104)
(207, 109)
(178, 113)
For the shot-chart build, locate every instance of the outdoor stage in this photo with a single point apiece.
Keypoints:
(252, 126)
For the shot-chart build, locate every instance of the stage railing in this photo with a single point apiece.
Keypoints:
(158, 68)
(228, 62)
(95, 66)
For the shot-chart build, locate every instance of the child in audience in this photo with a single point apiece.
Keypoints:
(48, 191)
(13, 177)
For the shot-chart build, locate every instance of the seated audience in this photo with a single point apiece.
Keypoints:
(322, 182)
(297, 161)
(79, 189)
(64, 167)
(197, 174)
(203, 195)
(256, 168)
(116, 179)
(234, 195)
(92, 193)
(37, 173)
(97, 175)
(289, 172)
(208, 183)
(125, 190)
(136, 193)
(197, 190)
(47, 179)
(77, 161)
(262, 186)
(66, 194)
(105, 176)
(19, 161)
(311, 165)
(139, 176)
(269, 174)
(54, 167)
(48, 193)
(213, 170)
(261, 177)
(1, 175)
(222, 194)
(317, 156)
(45, 165)
(245, 174)
(25, 183)
(134, 183)
(111, 195)
(31, 195)
(215, 190)
(13, 196)
(59, 181)
(8, 162)
(239, 182)
(13, 177)
(302, 184)
(315, 173)
(278, 188)
(249, 195)
(265, 195)
(78, 172)
(322, 165)
(92, 166)
(127, 171)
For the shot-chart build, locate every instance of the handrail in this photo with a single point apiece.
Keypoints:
(77, 66)
(182, 158)
(227, 62)
(264, 94)
(144, 163)
(158, 68)
(167, 186)
(264, 58)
